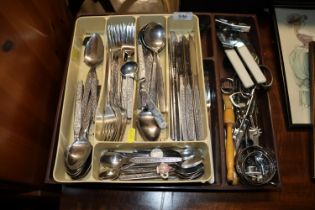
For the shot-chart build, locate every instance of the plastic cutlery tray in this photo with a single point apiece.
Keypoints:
(211, 60)
(77, 70)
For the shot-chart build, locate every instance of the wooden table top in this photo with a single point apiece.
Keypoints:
(294, 153)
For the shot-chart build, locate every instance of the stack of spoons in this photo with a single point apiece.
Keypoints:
(77, 156)
(165, 163)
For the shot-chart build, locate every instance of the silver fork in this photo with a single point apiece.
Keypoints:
(120, 39)
(110, 117)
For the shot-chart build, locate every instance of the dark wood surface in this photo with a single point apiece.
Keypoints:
(30, 83)
(294, 155)
(34, 40)
(312, 87)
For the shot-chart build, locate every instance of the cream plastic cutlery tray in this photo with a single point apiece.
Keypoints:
(131, 139)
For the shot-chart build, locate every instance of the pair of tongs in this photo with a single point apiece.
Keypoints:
(238, 53)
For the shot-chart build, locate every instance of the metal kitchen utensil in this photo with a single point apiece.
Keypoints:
(78, 154)
(255, 165)
(227, 34)
(153, 37)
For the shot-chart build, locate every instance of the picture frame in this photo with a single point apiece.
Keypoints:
(295, 28)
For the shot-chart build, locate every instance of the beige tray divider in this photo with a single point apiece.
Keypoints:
(166, 77)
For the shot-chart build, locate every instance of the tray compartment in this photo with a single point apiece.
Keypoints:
(77, 70)
(113, 20)
(101, 147)
(142, 21)
(183, 28)
(223, 70)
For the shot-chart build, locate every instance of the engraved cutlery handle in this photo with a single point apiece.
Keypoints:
(160, 85)
(89, 101)
(141, 64)
(159, 118)
(141, 160)
(77, 110)
(129, 99)
(130, 177)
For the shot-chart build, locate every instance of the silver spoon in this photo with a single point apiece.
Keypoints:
(189, 153)
(109, 173)
(128, 70)
(147, 126)
(154, 38)
(77, 155)
(113, 159)
(94, 51)
(110, 165)
(148, 123)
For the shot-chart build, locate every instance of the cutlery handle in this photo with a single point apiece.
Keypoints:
(141, 64)
(129, 99)
(130, 177)
(251, 63)
(160, 85)
(153, 80)
(89, 101)
(229, 120)
(239, 68)
(159, 118)
(141, 160)
(77, 110)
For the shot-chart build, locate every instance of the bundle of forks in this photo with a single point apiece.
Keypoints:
(118, 105)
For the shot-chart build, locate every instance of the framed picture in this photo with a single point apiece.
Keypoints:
(295, 29)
